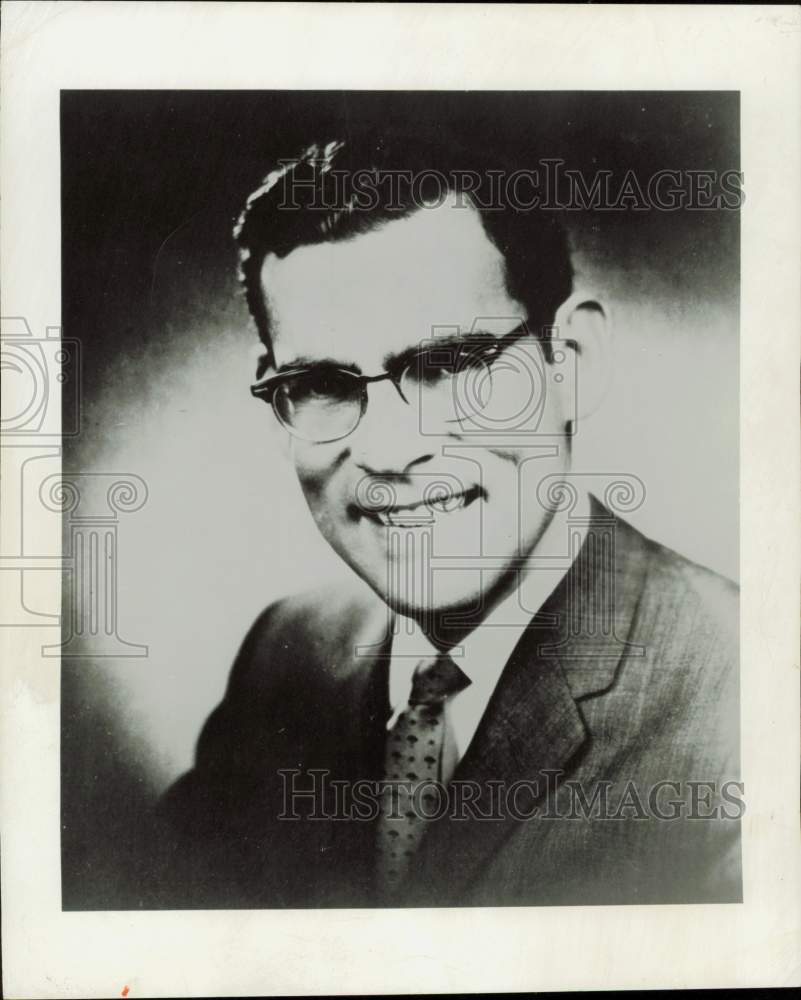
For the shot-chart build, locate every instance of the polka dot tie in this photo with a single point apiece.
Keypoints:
(416, 746)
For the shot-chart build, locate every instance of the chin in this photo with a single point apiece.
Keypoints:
(460, 597)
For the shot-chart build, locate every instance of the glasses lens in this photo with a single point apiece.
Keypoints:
(319, 406)
(449, 381)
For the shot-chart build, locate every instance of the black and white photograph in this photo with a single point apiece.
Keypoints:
(399, 553)
(519, 685)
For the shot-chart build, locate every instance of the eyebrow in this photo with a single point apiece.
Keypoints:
(391, 361)
(395, 360)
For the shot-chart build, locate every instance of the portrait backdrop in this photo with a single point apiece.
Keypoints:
(152, 182)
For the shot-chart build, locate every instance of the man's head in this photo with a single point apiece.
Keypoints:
(336, 191)
(364, 258)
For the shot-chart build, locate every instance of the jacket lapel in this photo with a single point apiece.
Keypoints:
(533, 724)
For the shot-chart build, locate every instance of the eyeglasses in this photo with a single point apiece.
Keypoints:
(449, 380)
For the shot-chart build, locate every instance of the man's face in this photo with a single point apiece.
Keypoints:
(362, 302)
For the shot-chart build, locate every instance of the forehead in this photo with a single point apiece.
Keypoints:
(381, 292)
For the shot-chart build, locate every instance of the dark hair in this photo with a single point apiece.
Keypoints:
(337, 190)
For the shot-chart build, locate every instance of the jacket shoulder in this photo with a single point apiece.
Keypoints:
(320, 612)
(312, 630)
(290, 664)
(686, 668)
(691, 599)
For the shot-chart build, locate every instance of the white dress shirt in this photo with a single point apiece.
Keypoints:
(483, 654)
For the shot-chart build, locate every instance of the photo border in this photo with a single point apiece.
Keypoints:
(48, 47)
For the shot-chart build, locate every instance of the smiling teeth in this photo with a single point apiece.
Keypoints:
(411, 518)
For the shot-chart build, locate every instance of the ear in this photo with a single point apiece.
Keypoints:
(583, 325)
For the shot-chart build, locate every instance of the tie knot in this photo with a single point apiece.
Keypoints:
(435, 680)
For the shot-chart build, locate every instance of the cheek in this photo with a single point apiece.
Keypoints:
(546, 452)
(316, 467)
(515, 478)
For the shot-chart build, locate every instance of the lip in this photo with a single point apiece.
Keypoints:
(420, 512)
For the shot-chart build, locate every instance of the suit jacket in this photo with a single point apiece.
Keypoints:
(609, 739)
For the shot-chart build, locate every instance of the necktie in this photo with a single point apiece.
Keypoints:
(415, 749)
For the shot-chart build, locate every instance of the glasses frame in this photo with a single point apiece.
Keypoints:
(267, 387)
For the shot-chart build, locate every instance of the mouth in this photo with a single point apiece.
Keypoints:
(422, 512)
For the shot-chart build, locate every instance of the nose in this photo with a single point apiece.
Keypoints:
(388, 441)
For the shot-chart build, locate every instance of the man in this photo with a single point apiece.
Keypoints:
(528, 702)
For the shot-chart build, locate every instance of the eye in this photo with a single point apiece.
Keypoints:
(323, 385)
(446, 361)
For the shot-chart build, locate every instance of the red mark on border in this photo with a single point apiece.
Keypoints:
(125, 991)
